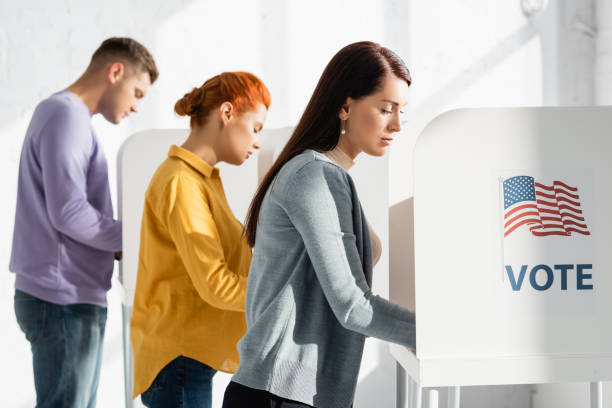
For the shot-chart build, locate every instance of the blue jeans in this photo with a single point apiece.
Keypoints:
(66, 344)
(183, 383)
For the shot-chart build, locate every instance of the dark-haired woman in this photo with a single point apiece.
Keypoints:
(188, 310)
(309, 305)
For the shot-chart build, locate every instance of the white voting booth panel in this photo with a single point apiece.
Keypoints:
(139, 157)
(512, 230)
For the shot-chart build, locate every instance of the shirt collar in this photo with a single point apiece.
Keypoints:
(194, 161)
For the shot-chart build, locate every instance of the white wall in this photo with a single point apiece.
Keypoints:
(478, 53)
(46, 45)
(461, 53)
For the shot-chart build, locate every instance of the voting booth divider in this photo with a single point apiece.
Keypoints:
(507, 249)
(138, 158)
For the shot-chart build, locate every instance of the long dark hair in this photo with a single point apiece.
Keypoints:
(357, 70)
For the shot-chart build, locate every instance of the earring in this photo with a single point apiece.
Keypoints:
(343, 131)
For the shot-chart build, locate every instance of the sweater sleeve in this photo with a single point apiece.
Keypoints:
(65, 151)
(319, 204)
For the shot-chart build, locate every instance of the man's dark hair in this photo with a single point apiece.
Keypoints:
(128, 51)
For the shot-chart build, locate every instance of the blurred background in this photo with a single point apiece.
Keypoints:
(461, 53)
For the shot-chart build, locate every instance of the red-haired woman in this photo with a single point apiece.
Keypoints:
(188, 310)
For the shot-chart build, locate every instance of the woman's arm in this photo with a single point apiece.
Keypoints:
(194, 233)
(319, 203)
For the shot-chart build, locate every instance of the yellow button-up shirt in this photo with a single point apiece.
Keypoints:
(192, 271)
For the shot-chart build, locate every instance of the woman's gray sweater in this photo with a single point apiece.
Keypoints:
(309, 305)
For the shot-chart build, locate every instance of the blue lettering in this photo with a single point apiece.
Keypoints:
(580, 276)
(583, 279)
(516, 285)
(549, 277)
(564, 269)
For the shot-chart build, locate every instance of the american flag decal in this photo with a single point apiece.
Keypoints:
(545, 210)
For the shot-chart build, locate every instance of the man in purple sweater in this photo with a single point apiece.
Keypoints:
(65, 237)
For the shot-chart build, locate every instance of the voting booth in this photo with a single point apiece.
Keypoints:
(511, 271)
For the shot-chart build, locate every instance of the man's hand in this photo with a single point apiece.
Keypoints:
(118, 255)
